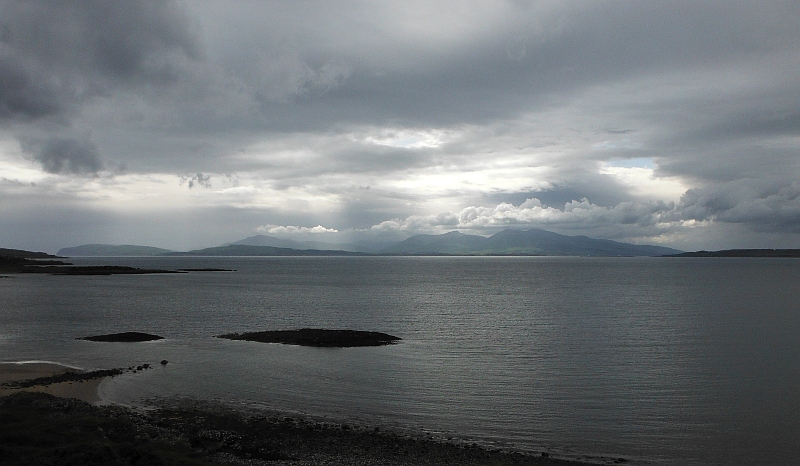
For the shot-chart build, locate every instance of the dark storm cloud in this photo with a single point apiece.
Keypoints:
(430, 104)
(67, 155)
(305, 70)
(730, 162)
(54, 55)
(23, 94)
(563, 50)
(771, 205)
(780, 119)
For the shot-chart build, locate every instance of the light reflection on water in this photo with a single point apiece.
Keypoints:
(673, 361)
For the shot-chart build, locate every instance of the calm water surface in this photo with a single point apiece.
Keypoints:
(662, 361)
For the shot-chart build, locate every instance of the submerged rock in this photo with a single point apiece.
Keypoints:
(126, 337)
(317, 337)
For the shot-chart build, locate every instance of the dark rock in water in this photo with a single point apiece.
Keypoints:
(127, 337)
(317, 337)
(164, 362)
(206, 270)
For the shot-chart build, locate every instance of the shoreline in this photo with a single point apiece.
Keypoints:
(250, 436)
(20, 371)
(44, 431)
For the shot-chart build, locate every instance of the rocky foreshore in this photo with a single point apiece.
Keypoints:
(42, 429)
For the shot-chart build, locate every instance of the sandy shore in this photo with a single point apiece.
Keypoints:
(85, 390)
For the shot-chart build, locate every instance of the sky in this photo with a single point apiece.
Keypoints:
(191, 124)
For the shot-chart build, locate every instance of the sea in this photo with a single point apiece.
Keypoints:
(663, 361)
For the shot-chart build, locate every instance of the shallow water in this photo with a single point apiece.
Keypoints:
(657, 360)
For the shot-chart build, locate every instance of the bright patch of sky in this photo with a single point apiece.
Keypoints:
(624, 144)
(291, 230)
(408, 139)
(642, 162)
(638, 176)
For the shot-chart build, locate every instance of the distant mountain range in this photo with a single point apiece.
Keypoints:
(522, 243)
(271, 241)
(264, 240)
(246, 250)
(111, 250)
(506, 243)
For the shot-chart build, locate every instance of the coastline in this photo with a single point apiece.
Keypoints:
(84, 390)
(208, 433)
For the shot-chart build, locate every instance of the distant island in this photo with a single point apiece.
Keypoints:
(124, 337)
(20, 261)
(321, 338)
(741, 253)
(65, 268)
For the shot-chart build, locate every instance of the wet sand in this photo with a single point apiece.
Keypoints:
(85, 390)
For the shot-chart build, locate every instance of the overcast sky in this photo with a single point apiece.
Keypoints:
(190, 124)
